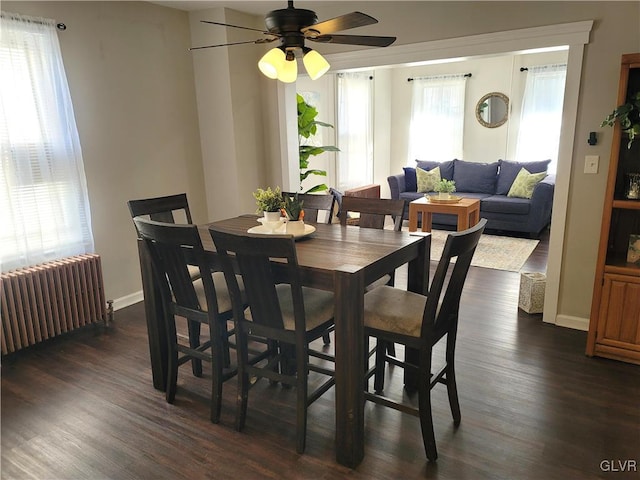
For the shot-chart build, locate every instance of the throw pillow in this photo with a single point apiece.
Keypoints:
(427, 180)
(446, 168)
(524, 184)
(509, 171)
(410, 182)
(475, 177)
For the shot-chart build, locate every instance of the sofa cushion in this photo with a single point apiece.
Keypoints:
(410, 196)
(410, 180)
(475, 176)
(509, 171)
(503, 204)
(427, 180)
(446, 168)
(524, 183)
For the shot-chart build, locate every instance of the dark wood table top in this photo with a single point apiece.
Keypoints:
(334, 248)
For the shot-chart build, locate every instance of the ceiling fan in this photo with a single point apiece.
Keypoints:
(292, 26)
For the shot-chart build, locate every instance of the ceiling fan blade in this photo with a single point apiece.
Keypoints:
(260, 40)
(370, 41)
(235, 26)
(343, 22)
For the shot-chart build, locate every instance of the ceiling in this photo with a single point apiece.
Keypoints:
(255, 7)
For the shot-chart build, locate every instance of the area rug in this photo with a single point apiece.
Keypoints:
(496, 252)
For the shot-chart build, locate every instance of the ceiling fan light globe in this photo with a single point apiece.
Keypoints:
(315, 64)
(288, 72)
(272, 62)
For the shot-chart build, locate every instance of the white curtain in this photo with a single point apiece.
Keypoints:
(541, 118)
(355, 130)
(44, 206)
(437, 118)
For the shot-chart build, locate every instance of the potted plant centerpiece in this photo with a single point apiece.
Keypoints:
(269, 203)
(445, 188)
(295, 214)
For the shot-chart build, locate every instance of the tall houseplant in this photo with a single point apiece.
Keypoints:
(307, 128)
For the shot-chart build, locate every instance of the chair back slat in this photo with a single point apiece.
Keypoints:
(161, 209)
(373, 211)
(313, 203)
(443, 301)
(255, 256)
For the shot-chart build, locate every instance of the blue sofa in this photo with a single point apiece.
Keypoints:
(490, 183)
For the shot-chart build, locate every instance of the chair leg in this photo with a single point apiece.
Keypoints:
(243, 378)
(452, 392)
(424, 406)
(226, 354)
(194, 342)
(288, 360)
(381, 358)
(452, 388)
(326, 338)
(217, 358)
(301, 400)
(426, 423)
(172, 374)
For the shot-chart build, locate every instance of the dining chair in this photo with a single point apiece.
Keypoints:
(313, 203)
(280, 309)
(420, 322)
(167, 209)
(373, 211)
(204, 301)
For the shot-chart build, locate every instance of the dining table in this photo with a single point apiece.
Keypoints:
(335, 258)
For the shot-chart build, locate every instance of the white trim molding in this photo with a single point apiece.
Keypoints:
(577, 323)
(128, 300)
(511, 41)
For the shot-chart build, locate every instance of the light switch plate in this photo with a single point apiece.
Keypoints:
(591, 163)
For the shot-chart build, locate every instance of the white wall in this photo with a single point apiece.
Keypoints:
(229, 113)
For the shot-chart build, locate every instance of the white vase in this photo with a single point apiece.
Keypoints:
(271, 220)
(295, 227)
(271, 216)
(444, 195)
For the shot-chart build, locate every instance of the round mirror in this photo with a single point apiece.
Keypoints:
(492, 110)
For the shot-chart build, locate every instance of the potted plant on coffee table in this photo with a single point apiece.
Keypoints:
(445, 188)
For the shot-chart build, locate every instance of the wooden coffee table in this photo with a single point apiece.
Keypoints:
(467, 211)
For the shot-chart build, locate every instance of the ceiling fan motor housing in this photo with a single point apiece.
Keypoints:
(288, 23)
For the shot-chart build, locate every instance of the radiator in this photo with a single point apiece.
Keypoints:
(47, 300)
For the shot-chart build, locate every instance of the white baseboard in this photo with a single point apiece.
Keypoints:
(128, 300)
(577, 323)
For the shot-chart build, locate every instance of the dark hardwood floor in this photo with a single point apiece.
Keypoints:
(533, 407)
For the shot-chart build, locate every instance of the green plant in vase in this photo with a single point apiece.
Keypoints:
(268, 200)
(445, 187)
(293, 208)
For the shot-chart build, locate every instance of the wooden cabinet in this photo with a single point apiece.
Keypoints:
(614, 329)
